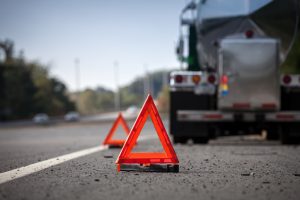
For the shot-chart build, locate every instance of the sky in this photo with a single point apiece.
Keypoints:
(135, 35)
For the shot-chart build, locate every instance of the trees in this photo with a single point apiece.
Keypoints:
(292, 64)
(17, 89)
(92, 101)
(26, 89)
(95, 101)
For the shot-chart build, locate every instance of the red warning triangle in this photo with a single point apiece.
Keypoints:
(147, 158)
(113, 142)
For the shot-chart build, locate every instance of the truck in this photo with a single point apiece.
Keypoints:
(230, 82)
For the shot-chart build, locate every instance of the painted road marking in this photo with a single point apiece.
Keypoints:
(36, 167)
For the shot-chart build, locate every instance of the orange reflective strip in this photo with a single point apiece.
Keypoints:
(147, 155)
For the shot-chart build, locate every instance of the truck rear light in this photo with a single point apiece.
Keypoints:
(268, 106)
(224, 79)
(211, 79)
(287, 79)
(213, 116)
(241, 105)
(285, 116)
(196, 79)
(249, 34)
(178, 78)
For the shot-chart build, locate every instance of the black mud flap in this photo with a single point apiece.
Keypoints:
(188, 100)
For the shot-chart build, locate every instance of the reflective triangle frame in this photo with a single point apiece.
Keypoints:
(147, 158)
(115, 142)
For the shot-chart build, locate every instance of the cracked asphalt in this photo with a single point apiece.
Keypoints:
(227, 168)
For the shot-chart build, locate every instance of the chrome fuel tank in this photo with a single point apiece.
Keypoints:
(217, 19)
(249, 74)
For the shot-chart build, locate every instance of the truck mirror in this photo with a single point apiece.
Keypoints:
(187, 21)
(191, 6)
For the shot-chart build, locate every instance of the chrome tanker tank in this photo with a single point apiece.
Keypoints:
(217, 19)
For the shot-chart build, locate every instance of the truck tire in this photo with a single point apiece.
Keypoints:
(200, 140)
(180, 140)
(273, 133)
(211, 134)
(285, 138)
(272, 136)
(290, 134)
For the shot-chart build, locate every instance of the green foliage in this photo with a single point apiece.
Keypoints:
(95, 101)
(61, 102)
(27, 89)
(102, 100)
(163, 100)
(292, 64)
(130, 97)
(88, 102)
(156, 80)
(17, 89)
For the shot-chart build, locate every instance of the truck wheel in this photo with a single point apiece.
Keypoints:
(273, 133)
(200, 140)
(180, 140)
(213, 132)
(286, 137)
(272, 136)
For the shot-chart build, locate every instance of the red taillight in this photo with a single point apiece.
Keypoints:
(213, 116)
(211, 79)
(285, 116)
(287, 79)
(178, 78)
(224, 79)
(249, 34)
(241, 105)
(268, 105)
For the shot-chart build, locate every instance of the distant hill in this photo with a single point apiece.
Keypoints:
(102, 99)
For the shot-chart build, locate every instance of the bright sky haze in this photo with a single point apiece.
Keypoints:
(136, 34)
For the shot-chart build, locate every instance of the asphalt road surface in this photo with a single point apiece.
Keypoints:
(226, 168)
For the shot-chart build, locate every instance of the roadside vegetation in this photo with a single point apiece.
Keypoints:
(292, 64)
(26, 88)
(92, 101)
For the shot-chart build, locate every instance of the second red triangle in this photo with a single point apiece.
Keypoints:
(109, 138)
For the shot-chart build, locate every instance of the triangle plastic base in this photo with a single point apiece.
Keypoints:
(148, 168)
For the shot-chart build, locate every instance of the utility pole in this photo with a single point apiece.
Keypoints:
(147, 82)
(165, 78)
(117, 93)
(1, 58)
(77, 79)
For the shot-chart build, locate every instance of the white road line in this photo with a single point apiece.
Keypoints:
(36, 167)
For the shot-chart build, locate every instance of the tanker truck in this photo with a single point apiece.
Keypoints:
(230, 81)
